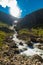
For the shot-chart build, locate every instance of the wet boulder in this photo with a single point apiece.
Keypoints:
(29, 44)
(21, 43)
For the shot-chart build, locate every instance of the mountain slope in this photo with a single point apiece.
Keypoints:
(34, 19)
(7, 18)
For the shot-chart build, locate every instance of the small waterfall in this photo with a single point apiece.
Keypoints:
(24, 47)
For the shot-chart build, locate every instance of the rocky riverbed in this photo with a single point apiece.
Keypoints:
(10, 55)
(19, 52)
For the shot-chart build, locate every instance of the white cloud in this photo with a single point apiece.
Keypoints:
(4, 3)
(14, 9)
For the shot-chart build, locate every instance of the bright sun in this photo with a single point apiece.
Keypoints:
(14, 9)
(15, 12)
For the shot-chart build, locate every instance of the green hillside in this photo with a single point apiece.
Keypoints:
(4, 32)
(27, 34)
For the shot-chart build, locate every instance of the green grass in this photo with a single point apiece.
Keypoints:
(2, 37)
(4, 34)
(3, 24)
(38, 32)
(26, 32)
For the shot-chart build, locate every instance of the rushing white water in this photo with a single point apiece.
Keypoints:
(25, 49)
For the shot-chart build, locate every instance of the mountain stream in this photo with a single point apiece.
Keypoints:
(24, 49)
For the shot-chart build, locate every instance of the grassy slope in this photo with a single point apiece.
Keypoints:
(3, 34)
(35, 32)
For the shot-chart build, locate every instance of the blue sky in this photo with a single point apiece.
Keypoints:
(27, 6)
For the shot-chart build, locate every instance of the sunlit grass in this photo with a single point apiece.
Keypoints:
(4, 34)
(38, 32)
(26, 33)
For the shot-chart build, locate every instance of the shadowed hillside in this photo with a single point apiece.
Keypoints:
(7, 18)
(32, 20)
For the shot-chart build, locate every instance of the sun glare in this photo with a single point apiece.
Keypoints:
(15, 12)
(13, 7)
